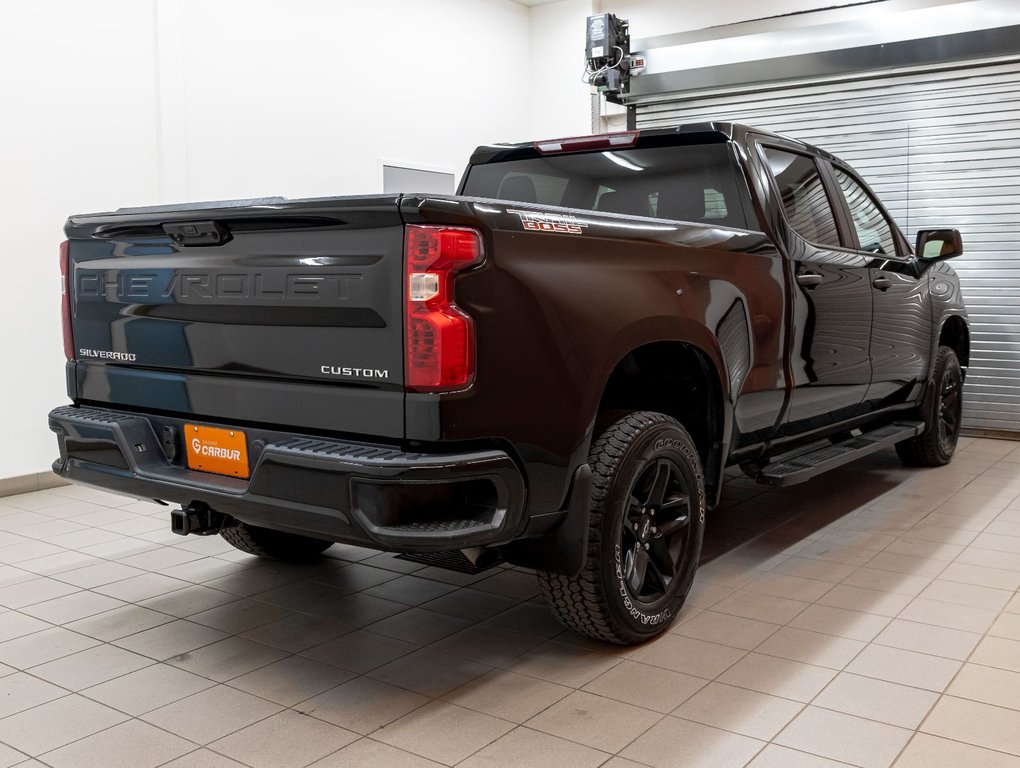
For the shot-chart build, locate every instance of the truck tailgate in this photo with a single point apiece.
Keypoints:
(273, 312)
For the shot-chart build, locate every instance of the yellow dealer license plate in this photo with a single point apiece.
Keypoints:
(210, 449)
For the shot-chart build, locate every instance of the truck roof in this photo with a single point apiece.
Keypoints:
(706, 132)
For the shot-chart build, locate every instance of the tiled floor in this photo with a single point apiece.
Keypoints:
(867, 618)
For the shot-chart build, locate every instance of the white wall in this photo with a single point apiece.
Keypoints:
(560, 101)
(77, 133)
(132, 102)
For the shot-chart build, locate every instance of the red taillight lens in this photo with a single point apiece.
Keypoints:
(440, 353)
(65, 299)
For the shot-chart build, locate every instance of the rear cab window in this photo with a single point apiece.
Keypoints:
(805, 202)
(698, 182)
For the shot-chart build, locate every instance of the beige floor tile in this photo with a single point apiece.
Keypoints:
(141, 587)
(10, 757)
(925, 751)
(285, 740)
(887, 581)
(843, 737)
(840, 622)
(297, 632)
(132, 744)
(227, 659)
(791, 587)
(211, 714)
(975, 723)
(927, 638)
(470, 604)
(488, 645)
(1007, 625)
(443, 732)
(895, 665)
(239, 616)
(90, 667)
(598, 722)
(778, 677)
(190, 600)
(19, 692)
(776, 610)
(429, 672)
(513, 584)
(526, 748)
(363, 705)
(56, 723)
(705, 594)
(419, 626)
(120, 622)
(750, 713)
(868, 601)
(775, 756)
(96, 575)
(1006, 561)
(73, 607)
(689, 656)
(675, 743)
(811, 647)
(17, 625)
(33, 591)
(644, 685)
(147, 689)
(563, 664)
(964, 617)
(997, 652)
(988, 685)
(411, 590)
(911, 565)
(291, 680)
(529, 618)
(876, 700)
(510, 696)
(38, 648)
(819, 570)
(967, 594)
(366, 753)
(734, 631)
(169, 640)
(360, 651)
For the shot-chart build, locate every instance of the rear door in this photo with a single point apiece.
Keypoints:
(830, 330)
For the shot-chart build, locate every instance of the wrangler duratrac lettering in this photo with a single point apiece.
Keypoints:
(555, 366)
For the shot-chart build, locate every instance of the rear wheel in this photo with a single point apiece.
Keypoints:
(265, 542)
(935, 446)
(647, 521)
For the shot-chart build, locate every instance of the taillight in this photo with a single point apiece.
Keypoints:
(440, 353)
(65, 299)
(595, 141)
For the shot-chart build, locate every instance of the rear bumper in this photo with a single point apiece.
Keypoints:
(371, 495)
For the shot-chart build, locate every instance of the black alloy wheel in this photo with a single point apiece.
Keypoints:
(935, 446)
(644, 533)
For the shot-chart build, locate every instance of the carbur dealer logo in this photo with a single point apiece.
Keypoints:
(550, 222)
(214, 451)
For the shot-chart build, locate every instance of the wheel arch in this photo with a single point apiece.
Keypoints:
(955, 334)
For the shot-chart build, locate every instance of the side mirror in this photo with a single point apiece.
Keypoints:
(938, 244)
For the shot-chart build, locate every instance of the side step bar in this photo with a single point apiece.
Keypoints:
(803, 464)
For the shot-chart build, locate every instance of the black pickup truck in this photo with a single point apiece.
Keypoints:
(557, 364)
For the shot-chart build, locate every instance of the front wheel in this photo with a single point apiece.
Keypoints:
(647, 522)
(277, 545)
(935, 446)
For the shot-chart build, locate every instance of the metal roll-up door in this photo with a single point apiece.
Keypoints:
(940, 148)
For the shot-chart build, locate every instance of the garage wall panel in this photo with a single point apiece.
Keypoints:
(941, 149)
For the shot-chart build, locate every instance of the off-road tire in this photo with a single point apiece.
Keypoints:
(935, 446)
(277, 545)
(599, 602)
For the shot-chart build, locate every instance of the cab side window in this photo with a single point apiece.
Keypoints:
(874, 232)
(807, 207)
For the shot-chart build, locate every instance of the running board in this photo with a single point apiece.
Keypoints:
(798, 466)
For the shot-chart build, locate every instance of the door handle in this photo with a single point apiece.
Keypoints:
(809, 279)
(882, 283)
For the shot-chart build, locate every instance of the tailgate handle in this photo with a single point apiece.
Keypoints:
(198, 233)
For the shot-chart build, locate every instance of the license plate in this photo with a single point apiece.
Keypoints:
(211, 449)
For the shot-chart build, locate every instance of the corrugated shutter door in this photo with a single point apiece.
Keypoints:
(940, 149)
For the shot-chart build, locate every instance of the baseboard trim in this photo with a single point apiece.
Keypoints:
(40, 481)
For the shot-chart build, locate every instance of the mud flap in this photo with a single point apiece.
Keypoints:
(563, 550)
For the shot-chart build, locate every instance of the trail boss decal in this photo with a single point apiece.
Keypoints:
(550, 222)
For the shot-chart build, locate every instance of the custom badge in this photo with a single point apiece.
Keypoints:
(550, 222)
